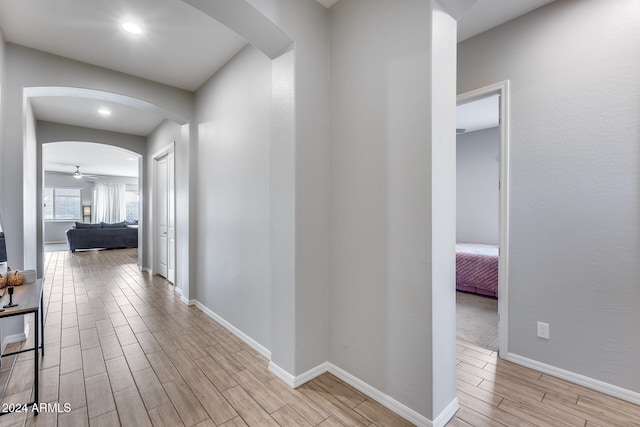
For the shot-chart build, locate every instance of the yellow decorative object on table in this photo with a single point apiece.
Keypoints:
(15, 278)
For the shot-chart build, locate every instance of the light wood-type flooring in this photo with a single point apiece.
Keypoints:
(121, 349)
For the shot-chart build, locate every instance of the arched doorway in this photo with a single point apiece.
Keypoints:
(52, 132)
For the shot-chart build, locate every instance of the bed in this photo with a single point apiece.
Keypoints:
(477, 268)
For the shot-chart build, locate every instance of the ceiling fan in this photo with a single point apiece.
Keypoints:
(77, 174)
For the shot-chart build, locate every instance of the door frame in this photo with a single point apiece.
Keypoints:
(154, 208)
(501, 89)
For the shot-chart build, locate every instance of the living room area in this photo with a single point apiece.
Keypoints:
(91, 197)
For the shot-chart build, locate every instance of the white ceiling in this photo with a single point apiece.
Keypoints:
(327, 3)
(93, 159)
(486, 14)
(477, 115)
(84, 112)
(180, 47)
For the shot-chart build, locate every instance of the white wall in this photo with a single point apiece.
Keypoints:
(300, 297)
(2, 103)
(13, 325)
(31, 176)
(232, 260)
(575, 191)
(477, 178)
(383, 193)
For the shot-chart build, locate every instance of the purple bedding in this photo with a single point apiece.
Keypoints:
(477, 268)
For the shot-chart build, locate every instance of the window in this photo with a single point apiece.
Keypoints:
(132, 206)
(62, 203)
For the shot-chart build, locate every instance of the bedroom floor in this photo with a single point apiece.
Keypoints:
(477, 319)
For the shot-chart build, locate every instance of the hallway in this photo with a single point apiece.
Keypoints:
(121, 348)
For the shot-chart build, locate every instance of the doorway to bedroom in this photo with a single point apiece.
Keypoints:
(481, 217)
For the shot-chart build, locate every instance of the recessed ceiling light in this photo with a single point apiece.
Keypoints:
(104, 112)
(130, 158)
(132, 27)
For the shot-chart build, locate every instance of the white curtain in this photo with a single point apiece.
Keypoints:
(110, 203)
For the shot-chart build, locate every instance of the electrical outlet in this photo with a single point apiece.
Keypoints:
(543, 330)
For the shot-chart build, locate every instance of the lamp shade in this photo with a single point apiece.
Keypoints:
(86, 210)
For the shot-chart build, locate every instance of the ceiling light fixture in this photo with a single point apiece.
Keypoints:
(131, 27)
(104, 112)
(77, 174)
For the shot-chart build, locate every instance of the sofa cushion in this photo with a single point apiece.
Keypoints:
(83, 226)
(122, 224)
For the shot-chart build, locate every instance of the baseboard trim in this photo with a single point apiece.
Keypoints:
(10, 339)
(284, 376)
(184, 300)
(385, 400)
(235, 331)
(295, 381)
(404, 411)
(447, 414)
(597, 385)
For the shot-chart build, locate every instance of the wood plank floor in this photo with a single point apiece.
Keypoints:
(494, 392)
(121, 349)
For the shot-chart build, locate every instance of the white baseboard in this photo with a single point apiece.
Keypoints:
(375, 394)
(235, 331)
(10, 339)
(448, 413)
(284, 376)
(184, 300)
(385, 400)
(295, 381)
(597, 385)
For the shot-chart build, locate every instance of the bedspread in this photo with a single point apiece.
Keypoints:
(477, 268)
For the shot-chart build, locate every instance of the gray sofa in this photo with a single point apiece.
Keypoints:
(102, 235)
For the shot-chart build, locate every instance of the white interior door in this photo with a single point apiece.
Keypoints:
(171, 219)
(162, 212)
